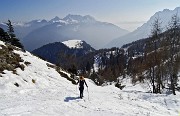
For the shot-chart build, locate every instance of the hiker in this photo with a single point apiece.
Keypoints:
(81, 82)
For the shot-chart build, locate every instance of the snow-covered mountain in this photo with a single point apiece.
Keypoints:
(52, 52)
(73, 43)
(38, 89)
(78, 18)
(145, 30)
(37, 33)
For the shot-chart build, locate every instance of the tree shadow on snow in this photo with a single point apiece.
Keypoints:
(67, 99)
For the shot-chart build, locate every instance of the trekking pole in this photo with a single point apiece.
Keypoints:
(76, 89)
(88, 93)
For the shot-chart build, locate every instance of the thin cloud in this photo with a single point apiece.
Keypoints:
(131, 22)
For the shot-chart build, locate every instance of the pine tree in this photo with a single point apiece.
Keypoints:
(13, 39)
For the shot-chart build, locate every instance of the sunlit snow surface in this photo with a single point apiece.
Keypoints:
(73, 43)
(53, 95)
(2, 43)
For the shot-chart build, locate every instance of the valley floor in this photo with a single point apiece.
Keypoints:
(62, 99)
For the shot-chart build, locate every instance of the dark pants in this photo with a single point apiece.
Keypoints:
(81, 89)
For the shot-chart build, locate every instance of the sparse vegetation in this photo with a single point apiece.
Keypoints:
(27, 63)
(118, 85)
(65, 76)
(25, 80)
(51, 65)
(16, 84)
(10, 60)
(33, 81)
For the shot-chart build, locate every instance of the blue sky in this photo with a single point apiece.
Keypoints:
(128, 14)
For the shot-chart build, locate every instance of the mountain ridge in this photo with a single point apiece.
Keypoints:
(144, 31)
(86, 28)
(53, 52)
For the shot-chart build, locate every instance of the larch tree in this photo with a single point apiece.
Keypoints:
(154, 60)
(173, 41)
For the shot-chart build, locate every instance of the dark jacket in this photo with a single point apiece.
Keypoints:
(81, 83)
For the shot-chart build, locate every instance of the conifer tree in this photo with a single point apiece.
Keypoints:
(13, 39)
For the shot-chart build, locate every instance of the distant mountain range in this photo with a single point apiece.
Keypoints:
(37, 33)
(145, 30)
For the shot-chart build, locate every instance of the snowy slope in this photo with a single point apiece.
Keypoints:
(73, 43)
(53, 95)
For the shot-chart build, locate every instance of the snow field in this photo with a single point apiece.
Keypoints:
(53, 95)
(73, 43)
